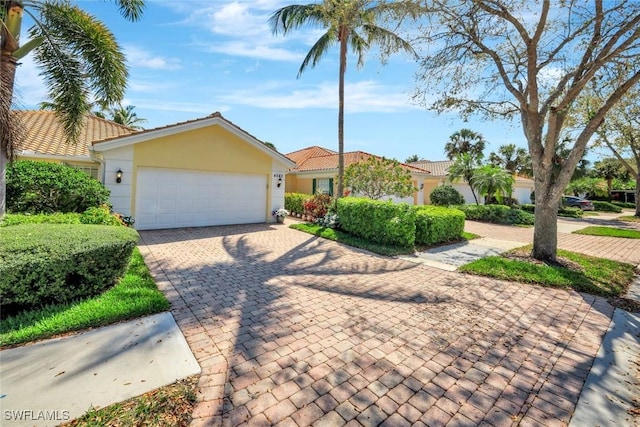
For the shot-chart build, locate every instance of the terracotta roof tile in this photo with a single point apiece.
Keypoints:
(320, 159)
(437, 168)
(45, 134)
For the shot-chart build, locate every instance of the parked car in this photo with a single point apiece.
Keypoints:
(577, 202)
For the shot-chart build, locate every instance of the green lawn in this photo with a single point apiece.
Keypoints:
(597, 276)
(609, 232)
(358, 242)
(630, 218)
(135, 295)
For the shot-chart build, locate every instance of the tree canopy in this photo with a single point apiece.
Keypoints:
(532, 60)
(377, 177)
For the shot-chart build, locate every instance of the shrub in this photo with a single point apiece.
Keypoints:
(318, 205)
(330, 220)
(528, 208)
(606, 206)
(446, 195)
(97, 216)
(571, 212)
(625, 205)
(294, 202)
(42, 264)
(377, 221)
(43, 187)
(437, 224)
(498, 214)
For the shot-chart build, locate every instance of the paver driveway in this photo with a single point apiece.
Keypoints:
(294, 330)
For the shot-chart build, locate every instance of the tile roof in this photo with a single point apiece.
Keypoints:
(437, 168)
(320, 159)
(45, 134)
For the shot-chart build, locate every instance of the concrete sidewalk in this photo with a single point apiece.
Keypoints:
(56, 380)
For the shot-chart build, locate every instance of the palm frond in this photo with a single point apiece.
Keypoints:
(78, 56)
(388, 40)
(359, 46)
(295, 16)
(131, 9)
(318, 50)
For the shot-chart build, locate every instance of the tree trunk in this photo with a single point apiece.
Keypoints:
(343, 69)
(545, 232)
(8, 129)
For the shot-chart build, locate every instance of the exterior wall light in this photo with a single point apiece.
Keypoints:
(422, 186)
(119, 176)
(279, 181)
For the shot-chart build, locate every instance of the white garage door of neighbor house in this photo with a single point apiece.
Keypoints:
(171, 198)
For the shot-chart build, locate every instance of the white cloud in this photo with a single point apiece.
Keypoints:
(137, 57)
(201, 109)
(29, 86)
(364, 96)
(251, 50)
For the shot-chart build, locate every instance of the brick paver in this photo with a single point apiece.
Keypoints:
(625, 250)
(290, 329)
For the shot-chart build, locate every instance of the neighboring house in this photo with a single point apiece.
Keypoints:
(522, 187)
(45, 139)
(317, 168)
(206, 171)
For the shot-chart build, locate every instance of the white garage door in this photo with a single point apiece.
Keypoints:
(170, 198)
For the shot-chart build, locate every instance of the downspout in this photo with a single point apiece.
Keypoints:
(100, 159)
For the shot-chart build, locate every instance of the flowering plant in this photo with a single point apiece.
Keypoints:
(281, 212)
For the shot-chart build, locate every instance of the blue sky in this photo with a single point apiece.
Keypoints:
(189, 59)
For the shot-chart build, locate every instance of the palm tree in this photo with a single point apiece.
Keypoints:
(463, 167)
(79, 58)
(126, 116)
(351, 24)
(465, 141)
(491, 181)
(514, 159)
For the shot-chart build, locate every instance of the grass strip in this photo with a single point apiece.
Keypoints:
(169, 406)
(629, 218)
(135, 295)
(609, 232)
(595, 276)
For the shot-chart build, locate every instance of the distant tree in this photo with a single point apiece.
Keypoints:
(586, 185)
(352, 25)
(271, 145)
(465, 141)
(514, 159)
(492, 182)
(377, 177)
(412, 158)
(610, 168)
(462, 168)
(126, 116)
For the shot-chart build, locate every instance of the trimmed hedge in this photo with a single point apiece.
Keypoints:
(436, 224)
(498, 214)
(446, 195)
(98, 216)
(294, 202)
(606, 206)
(381, 222)
(44, 187)
(565, 212)
(42, 264)
(627, 205)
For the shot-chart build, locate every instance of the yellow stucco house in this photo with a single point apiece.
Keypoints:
(317, 167)
(206, 171)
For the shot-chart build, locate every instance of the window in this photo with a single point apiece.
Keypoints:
(322, 185)
(90, 170)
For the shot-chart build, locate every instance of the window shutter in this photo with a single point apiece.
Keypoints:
(331, 186)
(313, 186)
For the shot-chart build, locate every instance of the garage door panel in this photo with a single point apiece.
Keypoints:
(169, 198)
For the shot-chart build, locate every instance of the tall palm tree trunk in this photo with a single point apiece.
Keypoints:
(9, 33)
(343, 68)
(7, 122)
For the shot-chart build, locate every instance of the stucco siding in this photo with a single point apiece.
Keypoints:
(121, 193)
